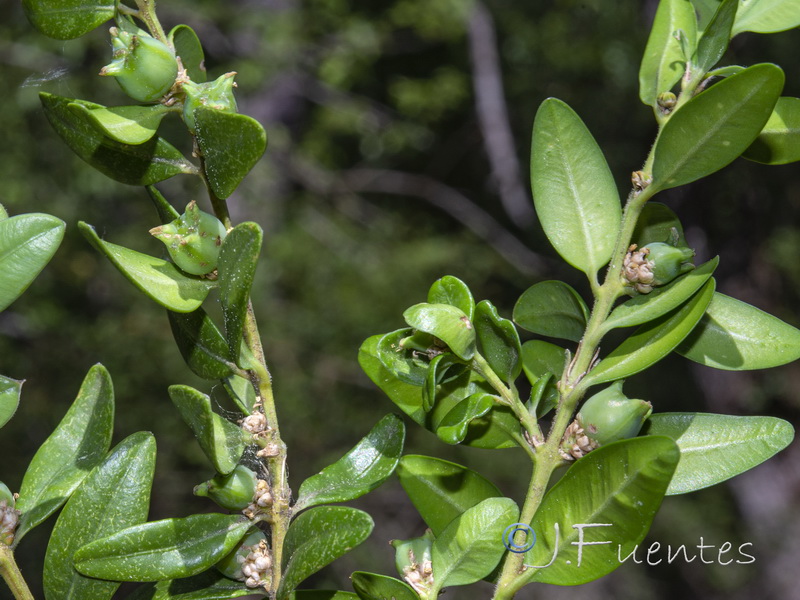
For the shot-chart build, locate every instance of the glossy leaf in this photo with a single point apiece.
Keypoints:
(664, 62)
(27, 243)
(574, 192)
(78, 444)
(406, 365)
(441, 490)
(539, 359)
(166, 549)
(661, 300)
(445, 322)
(241, 391)
(779, 141)
(166, 212)
(238, 259)
(361, 470)
(209, 585)
(453, 427)
(715, 38)
(736, 336)
(190, 50)
(713, 128)
(655, 224)
(652, 341)
(451, 290)
(124, 124)
(201, 344)
(499, 341)
(316, 538)
(440, 370)
(140, 164)
(159, 279)
(231, 145)
(622, 485)
(767, 16)
(552, 308)
(9, 398)
(115, 495)
(371, 586)
(221, 441)
(468, 549)
(68, 19)
(717, 447)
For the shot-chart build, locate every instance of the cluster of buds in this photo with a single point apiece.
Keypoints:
(255, 423)
(413, 562)
(261, 501)
(250, 562)
(656, 264)
(193, 240)
(9, 515)
(576, 444)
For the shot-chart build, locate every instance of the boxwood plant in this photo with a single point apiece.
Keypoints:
(456, 368)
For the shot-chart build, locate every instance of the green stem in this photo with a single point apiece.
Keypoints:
(147, 13)
(12, 575)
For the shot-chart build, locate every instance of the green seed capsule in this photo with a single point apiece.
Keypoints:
(254, 547)
(668, 261)
(145, 68)
(193, 240)
(216, 94)
(411, 554)
(609, 415)
(233, 491)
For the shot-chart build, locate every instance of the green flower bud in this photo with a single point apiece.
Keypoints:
(609, 415)
(216, 94)
(193, 240)
(666, 101)
(145, 68)
(668, 261)
(233, 491)
(250, 561)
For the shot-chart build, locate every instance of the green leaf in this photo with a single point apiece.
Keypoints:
(318, 537)
(441, 490)
(201, 344)
(124, 124)
(451, 290)
(767, 16)
(241, 391)
(190, 50)
(238, 259)
(468, 549)
(499, 341)
(622, 485)
(78, 444)
(321, 595)
(166, 212)
(664, 62)
(736, 336)
(371, 586)
(68, 19)
(361, 470)
(27, 243)
(453, 427)
(231, 145)
(404, 364)
(9, 398)
(165, 549)
(715, 38)
(713, 128)
(655, 224)
(540, 359)
(440, 371)
(661, 300)
(159, 279)
(445, 322)
(552, 308)
(221, 440)
(115, 495)
(140, 164)
(652, 341)
(574, 192)
(209, 585)
(779, 141)
(717, 447)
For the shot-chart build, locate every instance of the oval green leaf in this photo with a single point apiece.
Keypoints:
(736, 336)
(453, 427)
(652, 341)
(713, 128)
(361, 470)
(166, 549)
(201, 344)
(221, 441)
(717, 447)
(655, 224)
(499, 341)
(574, 192)
(767, 16)
(318, 537)
(445, 322)
(27, 243)
(715, 38)
(371, 586)
(540, 359)
(115, 495)
(190, 50)
(68, 19)
(9, 398)
(209, 585)
(552, 308)
(779, 141)
(439, 372)
(404, 364)
(614, 492)
(441, 490)
(78, 444)
(124, 124)
(159, 279)
(451, 290)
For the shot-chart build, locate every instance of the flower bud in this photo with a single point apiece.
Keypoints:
(145, 68)
(609, 415)
(413, 559)
(233, 491)
(668, 261)
(193, 240)
(250, 561)
(216, 94)
(666, 102)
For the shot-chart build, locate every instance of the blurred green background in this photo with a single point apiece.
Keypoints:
(399, 134)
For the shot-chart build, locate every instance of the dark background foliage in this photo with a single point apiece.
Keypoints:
(399, 134)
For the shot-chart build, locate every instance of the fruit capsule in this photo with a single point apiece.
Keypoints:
(216, 94)
(609, 415)
(233, 491)
(193, 240)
